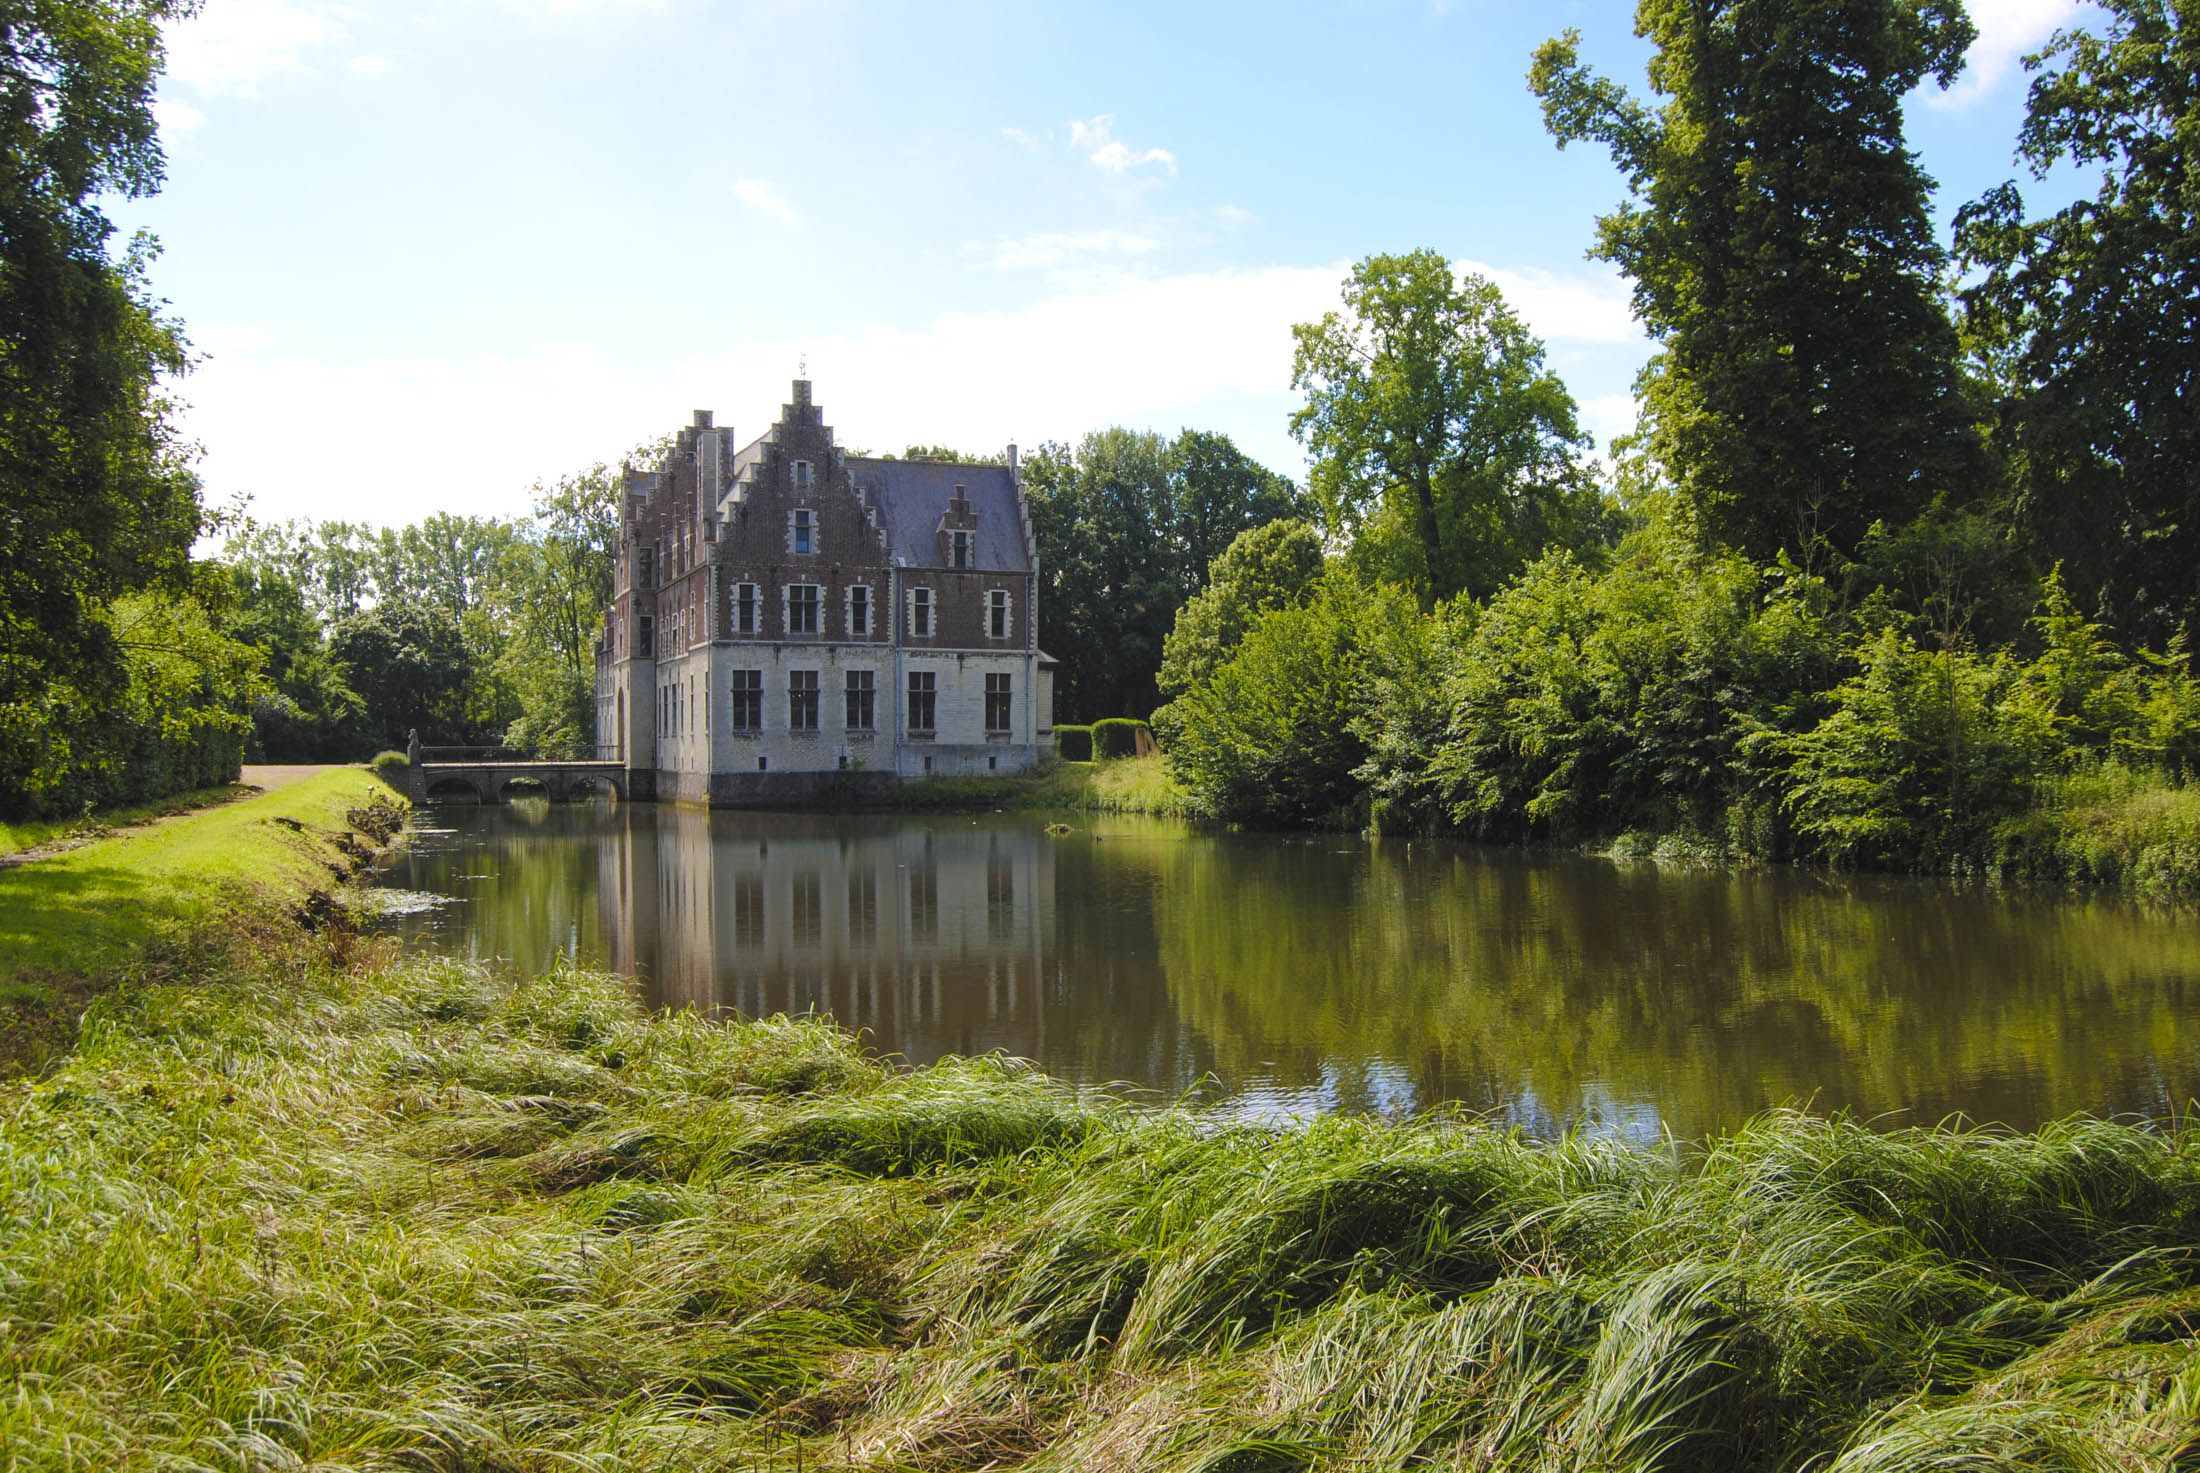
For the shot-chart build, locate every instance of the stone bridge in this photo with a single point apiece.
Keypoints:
(499, 782)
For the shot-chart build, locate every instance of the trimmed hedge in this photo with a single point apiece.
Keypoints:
(1073, 743)
(1117, 736)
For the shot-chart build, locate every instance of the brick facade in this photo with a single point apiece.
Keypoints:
(751, 584)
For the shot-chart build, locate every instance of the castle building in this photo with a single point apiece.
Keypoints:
(791, 623)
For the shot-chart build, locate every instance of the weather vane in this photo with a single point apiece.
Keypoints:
(802, 366)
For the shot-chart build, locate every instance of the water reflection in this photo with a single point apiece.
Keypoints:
(1292, 975)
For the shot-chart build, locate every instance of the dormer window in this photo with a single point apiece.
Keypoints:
(958, 549)
(802, 473)
(805, 530)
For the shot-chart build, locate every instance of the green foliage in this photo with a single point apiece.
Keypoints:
(411, 667)
(2089, 317)
(1274, 736)
(1923, 755)
(100, 498)
(1580, 703)
(1073, 743)
(1442, 446)
(1116, 738)
(1269, 567)
(1127, 525)
(1782, 254)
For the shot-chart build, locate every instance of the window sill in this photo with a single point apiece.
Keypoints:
(1000, 736)
(920, 736)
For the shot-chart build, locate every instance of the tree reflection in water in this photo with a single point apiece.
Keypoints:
(1288, 975)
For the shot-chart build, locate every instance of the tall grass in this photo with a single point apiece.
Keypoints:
(278, 1211)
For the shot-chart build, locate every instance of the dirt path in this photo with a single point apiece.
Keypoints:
(251, 783)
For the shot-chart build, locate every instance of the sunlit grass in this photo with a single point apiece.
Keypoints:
(411, 1215)
(17, 837)
(1121, 785)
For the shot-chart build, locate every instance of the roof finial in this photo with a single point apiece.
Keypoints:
(802, 366)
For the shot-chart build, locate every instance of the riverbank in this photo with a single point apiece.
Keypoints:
(142, 899)
(1121, 785)
(329, 1205)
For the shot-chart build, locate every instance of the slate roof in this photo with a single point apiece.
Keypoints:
(912, 496)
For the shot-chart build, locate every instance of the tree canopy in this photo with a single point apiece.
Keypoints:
(1783, 256)
(2090, 315)
(1442, 446)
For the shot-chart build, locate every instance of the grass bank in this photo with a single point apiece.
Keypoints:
(70, 921)
(307, 1210)
(1123, 785)
(17, 838)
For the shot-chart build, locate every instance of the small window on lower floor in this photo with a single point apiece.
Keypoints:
(747, 706)
(998, 704)
(923, 701)
(802, 700)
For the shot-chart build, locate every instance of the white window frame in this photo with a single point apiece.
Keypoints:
(786, 609)
(848, 611)
(1003, 601)
(931, 607)
(755, 609)
(804, 473)
(795, 529)
(962, 549)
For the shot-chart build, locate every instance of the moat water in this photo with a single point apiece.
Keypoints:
(1285, 975)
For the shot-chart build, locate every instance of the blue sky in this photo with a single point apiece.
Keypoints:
(434, 250)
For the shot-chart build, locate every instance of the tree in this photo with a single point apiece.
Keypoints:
(1782, 254)
(1221, 493)
(1110, 579)
(1273, 567)
(559, 581)
(409, 664)
(100, 497)
(1439, 438)
(2092, 314)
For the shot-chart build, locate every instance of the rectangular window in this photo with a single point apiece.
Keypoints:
(859, 609)
(920, 613)
(805, 533)
(996, 702)
(802, 700)
(746, 710)
(958, 549)
(923, 700)
(802, 473)
(802, 608)
(744, 608)
(862, 700)
(647, 643)
(996, 613)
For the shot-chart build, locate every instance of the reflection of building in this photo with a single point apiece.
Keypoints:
(789, 621)
(935, 939)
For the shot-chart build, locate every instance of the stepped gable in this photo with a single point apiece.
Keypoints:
(914, 497)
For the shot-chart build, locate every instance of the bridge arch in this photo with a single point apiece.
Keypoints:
(451, 788)
(590, 784)
(528, 786)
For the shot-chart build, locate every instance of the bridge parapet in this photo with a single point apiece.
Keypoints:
(493, 782)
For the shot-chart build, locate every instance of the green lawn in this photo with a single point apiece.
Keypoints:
(17, 837)
(1124, 785)
(69, 920)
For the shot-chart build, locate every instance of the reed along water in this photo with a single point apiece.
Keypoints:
(1282, 976)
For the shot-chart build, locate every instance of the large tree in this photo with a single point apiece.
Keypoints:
(2091, 314)
(98, 494)
(1441, 443)
(1783, 256)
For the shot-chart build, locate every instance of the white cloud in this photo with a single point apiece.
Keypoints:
(1095, 139)
(1235, 217)
(368, 66)
(759, 196)
(1585, 305)
(2007, 30)
(1061, 248)
(415, 438)
(176, 117)
(234, 45)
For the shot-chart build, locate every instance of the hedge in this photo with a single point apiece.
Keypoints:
(1073, 743)
(1117, 737)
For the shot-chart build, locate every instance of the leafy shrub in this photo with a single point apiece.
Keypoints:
(1275, 736)
(1073, 743)
(1117, 737)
